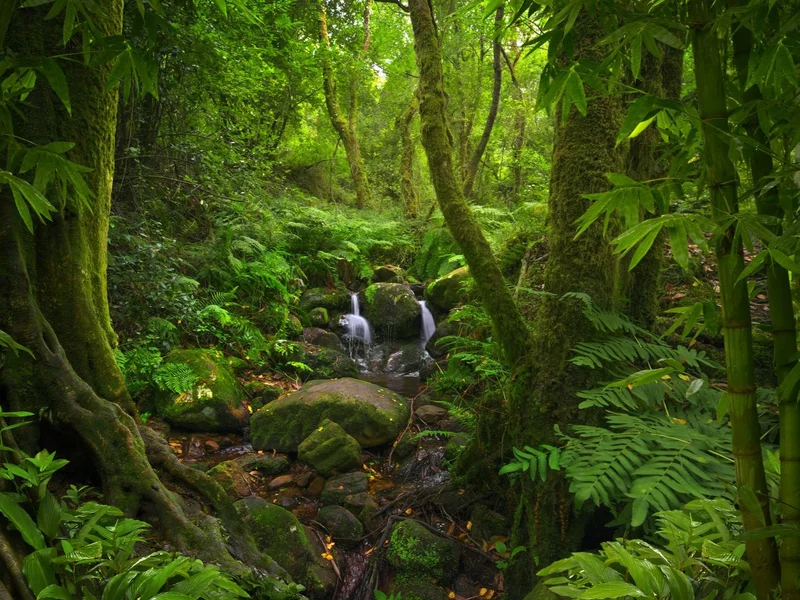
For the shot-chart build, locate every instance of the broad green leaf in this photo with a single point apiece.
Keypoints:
(21, 520)
(58, 82)
(641, 127)
(611, 589)
(785, 261)
(640, 509)
(749, 501)
(762, 533)
(637, 112)
(754, 266)
(577, 93)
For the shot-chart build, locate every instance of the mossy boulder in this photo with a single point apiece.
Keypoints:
(292, 327)
(261, 392)
(340, 487)
(392, 310)
(388, 273)
(266, 464)
(448, 292)
(443, 329)
(319, 316)
(326, 363)
(362, 505)
(213, 403)
(336, 299)
(341, 524)
(372, 415)
(279, 534)
(322, 338)
(486, 523)
(329, 448)
(415, 549)
(417, 586)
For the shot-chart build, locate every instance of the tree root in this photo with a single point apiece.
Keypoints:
(15, 570)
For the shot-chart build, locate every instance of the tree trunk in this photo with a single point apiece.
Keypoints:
(344, 126)
(52, 287)
(781, 310)
(720, 176)
(642, 286)
(409, 190)
(497, 68)
(510, 328)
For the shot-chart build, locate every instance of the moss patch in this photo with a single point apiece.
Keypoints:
(415, 549)
(329, 448)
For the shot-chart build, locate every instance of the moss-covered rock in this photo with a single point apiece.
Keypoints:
(279, 534)
(233, 478)
(333, 299)
(322, 338)
(388, 273)
(448, 292)
(392, 310)
(341, 524)
(261, 393)
(417, 586)
(362, 505)
(319, 316)
(213, 403)
(292, 327)
(371, 414)
(326, 363)
(338, 488)
(329, 448)
(415, 549)
(266, 464)
(486, 523)
(443, 329)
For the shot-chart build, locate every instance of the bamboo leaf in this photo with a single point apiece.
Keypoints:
(12, 511)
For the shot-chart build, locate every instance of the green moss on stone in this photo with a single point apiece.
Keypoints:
(415, 549)
(329, 448)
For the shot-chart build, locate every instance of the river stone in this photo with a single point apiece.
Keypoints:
(443, 329)
(326, 363)
(213, 403)
(415, 549)
(341, 524)
(233, 478)
(330, 449)
(338, 488)
(448, 292)
(267, 464)
(323, 338)
(362, 505)
(335, 299)
(410, 358)
(393, 311)
(372, 415)
(261, 393)
(388, 273)
(280, 535)
(319, 316)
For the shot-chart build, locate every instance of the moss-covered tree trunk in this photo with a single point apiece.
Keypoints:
(720, 179)
(471, 170)
(661, 77)
(52, 301)
(510, 328)
(407, 187)
(345, 126)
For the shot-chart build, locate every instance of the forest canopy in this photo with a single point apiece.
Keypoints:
(399, 299)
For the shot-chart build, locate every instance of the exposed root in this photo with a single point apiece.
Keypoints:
(14, 569)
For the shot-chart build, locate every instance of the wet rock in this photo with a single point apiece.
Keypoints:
(341, 524)
(463, 586)
(486, 523)
(371, 414)
(415, 549)
(323, 338)
(388, 273)
(280, 481)
(332, 299)
(449, 291)
(266, 464)
(362, 505)
(289, 498)
(292, 327)
(233, 479)
(453, 425)
(210, 446)
(279, 534)
(393, 311)
(338, 488)
(410, 358)
(414, 586)
(213, 403)
(425, 468)
(319, 316)
(443, 329)
(304, 479)
(329, 448)
(405, 446)
(195, 449)
(431, 414)
(315, 488)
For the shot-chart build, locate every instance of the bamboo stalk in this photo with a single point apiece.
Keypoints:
(784, 333)
(721, 180)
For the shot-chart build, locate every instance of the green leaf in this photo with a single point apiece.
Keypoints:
(20, 519)
(785, 261)
(56, 592)
(611, 589)
(222, 6)
(641, 127)
(754, 266)
(644, 247)
(577, 93)
(749, 501)
(762, 533)
(679, 245)
(58, 82)
(637, 112)
(640, 509)
(48, 517)
(636, 56)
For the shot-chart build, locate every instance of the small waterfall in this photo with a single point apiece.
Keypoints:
(359, 333)
(428, 324)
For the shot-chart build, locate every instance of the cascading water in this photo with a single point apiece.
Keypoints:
(428, 324)
(359, 333)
